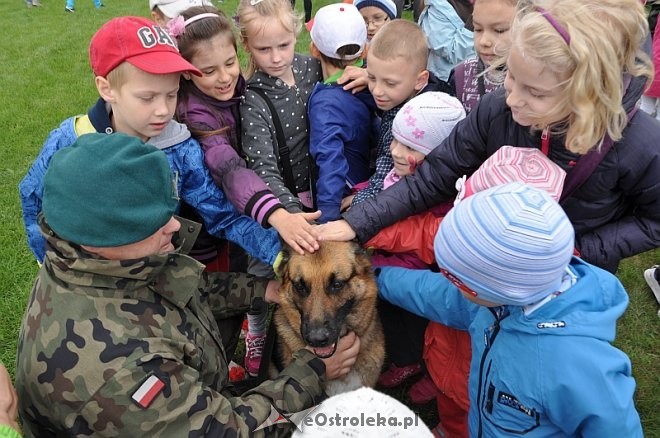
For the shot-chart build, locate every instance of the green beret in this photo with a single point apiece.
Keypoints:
(108, 190)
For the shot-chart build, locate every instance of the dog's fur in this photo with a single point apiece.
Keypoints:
(323, 296)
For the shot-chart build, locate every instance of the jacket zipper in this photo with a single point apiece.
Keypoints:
(489, 338)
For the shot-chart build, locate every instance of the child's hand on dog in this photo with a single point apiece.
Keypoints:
(295, 229)
(340, 363)
(335, 230)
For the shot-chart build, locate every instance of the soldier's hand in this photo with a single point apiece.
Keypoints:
(272, 294)
(340, 363)
(8, 400)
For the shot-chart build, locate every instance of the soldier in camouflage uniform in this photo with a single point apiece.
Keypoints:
(119, 337)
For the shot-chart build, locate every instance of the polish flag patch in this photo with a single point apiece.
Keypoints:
(146, 393)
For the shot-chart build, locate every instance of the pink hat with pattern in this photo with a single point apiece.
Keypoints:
(508, 164)
(426, 120)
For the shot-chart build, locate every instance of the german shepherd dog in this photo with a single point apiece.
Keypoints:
(323, 296)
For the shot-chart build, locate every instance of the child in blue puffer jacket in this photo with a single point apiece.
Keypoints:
(541, 321)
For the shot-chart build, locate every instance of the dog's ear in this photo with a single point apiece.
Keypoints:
(357, 248)
(282, 259)
(361, 255)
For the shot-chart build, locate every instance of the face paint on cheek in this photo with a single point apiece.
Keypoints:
(412, 164)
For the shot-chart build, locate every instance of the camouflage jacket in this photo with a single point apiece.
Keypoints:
(131, 348)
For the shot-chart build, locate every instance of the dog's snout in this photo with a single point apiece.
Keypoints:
(318, 336)
(321, 332)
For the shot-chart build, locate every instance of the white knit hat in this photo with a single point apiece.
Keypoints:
(362, 413)
(426, 120)
(510, 244)
(509, 163)
(338, 25)
(174, 8)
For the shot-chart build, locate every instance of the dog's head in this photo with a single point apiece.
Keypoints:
(328, 293)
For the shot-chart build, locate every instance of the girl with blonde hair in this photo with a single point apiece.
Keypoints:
(575, 72)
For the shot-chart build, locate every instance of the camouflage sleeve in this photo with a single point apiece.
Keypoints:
(295, 388)
(184, 406)
(231, 293)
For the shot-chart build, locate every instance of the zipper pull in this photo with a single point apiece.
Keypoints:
(545, 141)
(544, 134)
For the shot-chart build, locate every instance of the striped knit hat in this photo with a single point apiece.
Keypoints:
(510, 244)
(527, 165)
(426, 120)
(387, 6)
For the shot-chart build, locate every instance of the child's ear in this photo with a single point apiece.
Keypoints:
(314, 51)
(186, 76)
(422, 80)
(105, 89)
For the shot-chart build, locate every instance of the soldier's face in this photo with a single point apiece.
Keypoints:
(158, 243)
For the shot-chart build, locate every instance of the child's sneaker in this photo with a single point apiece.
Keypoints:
(254, 348)
(651, 276)
(394, 376)
(423, 391)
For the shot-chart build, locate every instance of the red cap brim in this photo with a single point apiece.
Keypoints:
(162, 63)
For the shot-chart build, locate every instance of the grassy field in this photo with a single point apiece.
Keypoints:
(45, 77)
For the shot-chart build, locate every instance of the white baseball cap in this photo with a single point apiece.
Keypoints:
(338, 25)
(174, 8)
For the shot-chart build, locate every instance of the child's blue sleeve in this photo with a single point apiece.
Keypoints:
(31, 187)
(425, 293)
(197, 188)
(327, 138)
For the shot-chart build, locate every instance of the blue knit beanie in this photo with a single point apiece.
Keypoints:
(388, 6)
(108, 190)
(510, 244)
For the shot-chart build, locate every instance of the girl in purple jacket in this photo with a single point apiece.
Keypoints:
(208, 105)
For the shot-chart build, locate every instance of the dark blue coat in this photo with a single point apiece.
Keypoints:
(616, 211)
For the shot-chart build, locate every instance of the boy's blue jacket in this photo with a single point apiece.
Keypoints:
(342, 126)
(194, 183)
(552, 372)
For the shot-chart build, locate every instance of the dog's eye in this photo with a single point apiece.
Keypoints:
(300, 287)
(336, 286)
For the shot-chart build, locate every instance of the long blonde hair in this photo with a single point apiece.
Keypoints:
(251, 10)
(606, 39)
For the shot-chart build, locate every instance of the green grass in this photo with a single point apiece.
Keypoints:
(45, 78)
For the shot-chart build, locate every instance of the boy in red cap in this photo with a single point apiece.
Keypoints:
(137, 68)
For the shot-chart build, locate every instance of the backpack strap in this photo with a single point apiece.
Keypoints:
(282, 148)
(588, 163)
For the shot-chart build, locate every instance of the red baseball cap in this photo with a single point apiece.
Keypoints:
(138, 41)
